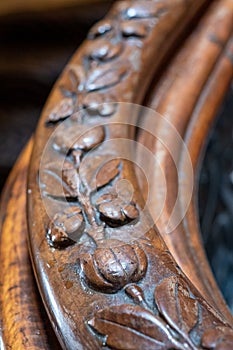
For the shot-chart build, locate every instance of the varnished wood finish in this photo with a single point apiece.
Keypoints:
(9, 7)
(201, 72)
(204, 115)
(101, 287)
(24, 323)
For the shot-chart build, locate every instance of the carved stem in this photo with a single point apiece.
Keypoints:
(105, 71)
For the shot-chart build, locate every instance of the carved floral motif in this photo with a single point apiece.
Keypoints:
(66, 228)
(86, 88)
(87, 181)
(113, 265)
(173, 326)
(116, 211)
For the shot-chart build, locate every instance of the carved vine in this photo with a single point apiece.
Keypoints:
(175, 320)
(85, 90)
(86, 87)
(94, 202)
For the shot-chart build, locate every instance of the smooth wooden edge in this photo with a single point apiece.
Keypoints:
(185, 242)
(9, 7)
(24, 323)
(18, 188)
(38, 240)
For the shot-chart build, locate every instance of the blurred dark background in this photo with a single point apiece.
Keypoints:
(216, 198)
(35, 46)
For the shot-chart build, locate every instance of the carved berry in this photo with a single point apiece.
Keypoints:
(101, 28)
(113, 265)
(66, 228)
(117, 211)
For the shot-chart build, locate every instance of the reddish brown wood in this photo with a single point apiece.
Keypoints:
(23, 321)
(201, 72)
(106, 276)
(101, 287)
(204, 115)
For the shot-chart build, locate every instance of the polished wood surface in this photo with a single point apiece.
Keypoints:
(106, 277)
(24, 323)
(188, 95)
(9, 7)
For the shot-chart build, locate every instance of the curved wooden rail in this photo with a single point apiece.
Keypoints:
(188, 95)
(105, 275)
(23, 321)
(9, 7)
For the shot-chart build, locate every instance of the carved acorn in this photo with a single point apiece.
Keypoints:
(113, 265)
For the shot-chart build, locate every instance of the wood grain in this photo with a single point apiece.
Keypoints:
(201, 71)
(24, 323)
(100, 283)
(102, 286)
(9, 7)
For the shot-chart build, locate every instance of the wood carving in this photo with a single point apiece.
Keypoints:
(206, 56)
(106, 277)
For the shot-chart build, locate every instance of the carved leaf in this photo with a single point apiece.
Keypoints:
(69, 84)
(108, 108)
(132, 29)
(102, 79)
(143, 9)
(176, 305)
(132, 327)
(62, 110)
(93, 101)
(97, 104)
(108, 172)
(74, 136)
(90, 139)
(90, 167)
(60, 180)
(105, 51)
(112, 214)
(131, 211)
(100, 29)
(218, 338)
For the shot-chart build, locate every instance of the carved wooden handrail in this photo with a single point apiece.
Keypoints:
(105, 275)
